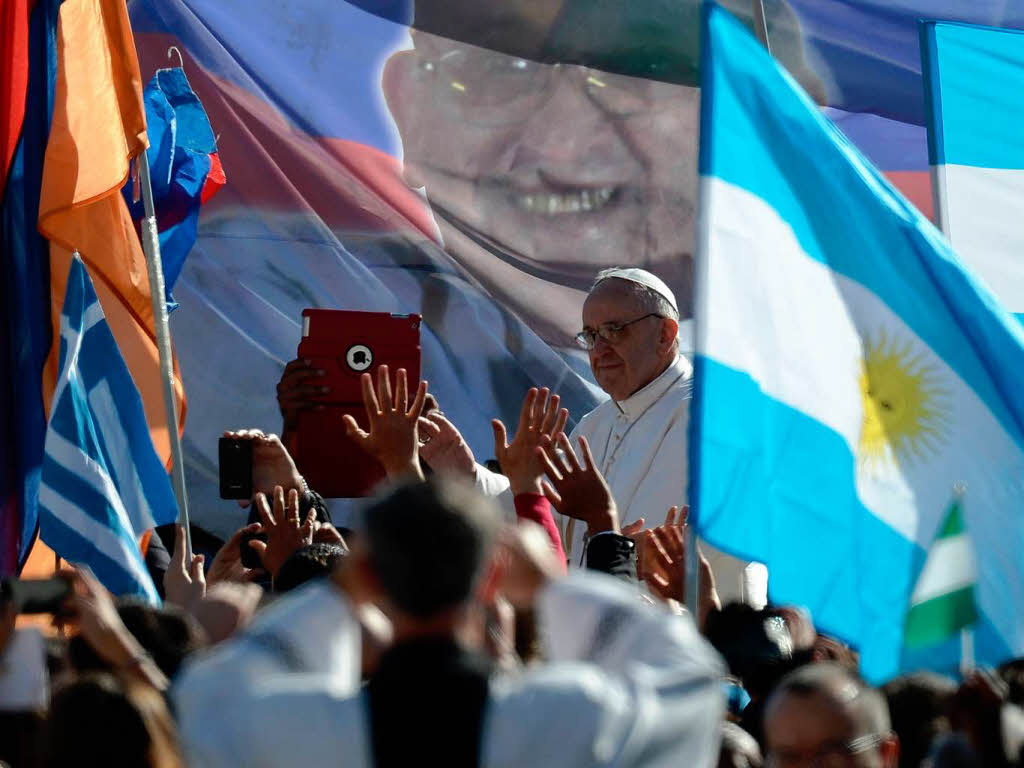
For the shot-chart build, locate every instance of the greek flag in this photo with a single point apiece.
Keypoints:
(102, 483)
(852, 380)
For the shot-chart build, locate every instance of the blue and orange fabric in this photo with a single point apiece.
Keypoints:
(80, 125)
(98, 126)
(25, 331)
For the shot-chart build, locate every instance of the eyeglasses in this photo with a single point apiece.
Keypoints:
(494, 88)
(610, 332)
(829, 755)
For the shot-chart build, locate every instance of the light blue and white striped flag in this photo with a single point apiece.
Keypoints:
(974, 87)
(850, 373)
(102, 485)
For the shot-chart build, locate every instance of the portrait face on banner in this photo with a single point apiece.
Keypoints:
(540, 167)
(558, 170)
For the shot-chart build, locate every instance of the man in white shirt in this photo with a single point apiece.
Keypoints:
(627, 683)
(638, 436)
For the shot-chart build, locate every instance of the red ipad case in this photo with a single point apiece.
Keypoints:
(346, 344)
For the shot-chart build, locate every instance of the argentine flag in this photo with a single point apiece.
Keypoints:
(852, 379)
(974, 88)
(102, 484)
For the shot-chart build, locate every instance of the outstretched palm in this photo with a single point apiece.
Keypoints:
(393, 437)
(540, 422)
(578, 489)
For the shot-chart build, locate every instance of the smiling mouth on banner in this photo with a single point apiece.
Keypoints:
(555, 204)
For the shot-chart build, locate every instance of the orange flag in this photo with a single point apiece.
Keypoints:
(98, 125)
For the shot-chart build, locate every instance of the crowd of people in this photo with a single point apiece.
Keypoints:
(527, 614)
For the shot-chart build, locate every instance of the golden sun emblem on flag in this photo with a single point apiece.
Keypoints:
(904, 404)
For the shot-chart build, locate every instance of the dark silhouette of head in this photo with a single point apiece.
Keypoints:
(428, 544)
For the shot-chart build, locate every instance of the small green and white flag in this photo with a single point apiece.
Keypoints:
(943, 601)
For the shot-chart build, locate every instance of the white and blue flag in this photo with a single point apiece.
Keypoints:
(974, 93)
(852, 377)
(103, 485)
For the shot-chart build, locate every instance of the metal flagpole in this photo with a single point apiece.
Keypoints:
(938, 178)
(966, 651)
(700, 326)
(692, 596)
(761, 24)
(700, 329)
(151, 247)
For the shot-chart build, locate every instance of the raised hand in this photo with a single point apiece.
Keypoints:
(540, 420)
(272, 465)
(300, 385)
(631, 530)
(393, 438)
(226, 609)
(226, 565)
(102, 628)
(443, 447)
(526, 563)
(577, 489)
(285, 532)
(661, 556)
(184, 583)
(661, 563)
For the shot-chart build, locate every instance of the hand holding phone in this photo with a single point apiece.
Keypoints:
(271, 464)
(35, 595)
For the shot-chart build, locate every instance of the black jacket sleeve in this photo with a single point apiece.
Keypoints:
(614, 554)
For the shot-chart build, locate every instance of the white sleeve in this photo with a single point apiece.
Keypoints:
(285, 722)
(311, 633)
(629, 684)
(496, 487)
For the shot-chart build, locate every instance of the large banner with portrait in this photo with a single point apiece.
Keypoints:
(476, 163)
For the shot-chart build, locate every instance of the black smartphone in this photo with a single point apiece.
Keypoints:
(235, 468)
(35, 595)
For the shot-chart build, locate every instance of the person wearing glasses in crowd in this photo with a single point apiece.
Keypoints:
(824, 716)
(638, 436)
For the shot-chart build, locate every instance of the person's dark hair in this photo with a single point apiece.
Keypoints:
(99, 720)
(756, 645)
(864, 705)
(428, 543)
(167, 634)
(919, 708)
(306, 563)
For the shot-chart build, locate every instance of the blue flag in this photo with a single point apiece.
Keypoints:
(184, 166)
(852, 378)
(25, 304)
(974, 81)
(102, 485)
